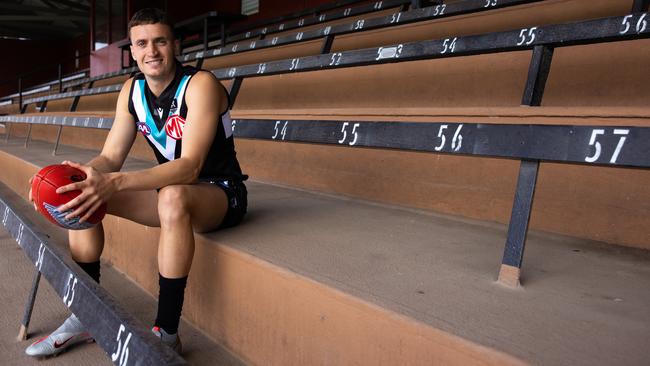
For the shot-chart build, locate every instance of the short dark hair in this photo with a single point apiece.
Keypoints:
(150, 16)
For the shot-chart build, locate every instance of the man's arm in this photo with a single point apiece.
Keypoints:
(120, 138)
(118, 143)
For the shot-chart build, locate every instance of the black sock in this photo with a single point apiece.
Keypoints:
(170, 303)
(91, 268)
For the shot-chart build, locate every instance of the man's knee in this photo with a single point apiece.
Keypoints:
(173, 204)
(86, 245)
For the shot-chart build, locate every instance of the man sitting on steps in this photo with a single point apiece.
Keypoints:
(197, 185)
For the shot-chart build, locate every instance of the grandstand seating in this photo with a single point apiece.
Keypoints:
(462, 85)
(303, 20)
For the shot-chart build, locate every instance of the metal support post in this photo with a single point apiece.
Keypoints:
(509, 274)
(73, 108)
(58, 138)
(29, 130)
(416, 4)
(29, 307)
(29, 133)
(234, 90)
(205, 35)
(327, 44)
(540, 66)
(7, 131)
(640, 6)
(20, 92)
(223, 34)
(518, 228)
(60, 78)
(199, 62)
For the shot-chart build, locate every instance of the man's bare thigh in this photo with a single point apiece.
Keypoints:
(138, 206)
(208, 205)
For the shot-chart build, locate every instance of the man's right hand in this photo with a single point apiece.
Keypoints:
(31, 198)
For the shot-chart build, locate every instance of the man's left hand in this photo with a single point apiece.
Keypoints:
(96, 189)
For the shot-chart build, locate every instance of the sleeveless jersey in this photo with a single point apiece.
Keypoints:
(161, 121)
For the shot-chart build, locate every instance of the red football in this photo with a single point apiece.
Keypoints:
(44, 187)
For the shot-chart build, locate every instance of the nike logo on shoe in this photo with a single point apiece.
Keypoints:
(59, 345)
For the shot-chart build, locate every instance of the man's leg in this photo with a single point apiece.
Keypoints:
(86, 247)
(181, 209)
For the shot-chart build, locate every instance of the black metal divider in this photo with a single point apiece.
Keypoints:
(621, 146)
(510, 271)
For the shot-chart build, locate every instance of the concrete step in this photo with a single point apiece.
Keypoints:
(318, 279)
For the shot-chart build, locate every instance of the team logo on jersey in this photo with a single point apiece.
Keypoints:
(174, 127)
(144, 128)
(173, 108)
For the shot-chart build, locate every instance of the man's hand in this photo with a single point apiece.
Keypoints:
(96, 189)
(31, 198)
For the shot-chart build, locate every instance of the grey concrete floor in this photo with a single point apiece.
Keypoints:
(582, 302)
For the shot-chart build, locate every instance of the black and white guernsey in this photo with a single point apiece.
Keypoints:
(161, 121)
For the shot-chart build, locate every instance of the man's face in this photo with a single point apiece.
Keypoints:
(153, 47)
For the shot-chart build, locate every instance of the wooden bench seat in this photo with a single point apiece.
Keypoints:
(631, 116)
(111, 80)
(10, 108)
(522, 16)
(623, 116)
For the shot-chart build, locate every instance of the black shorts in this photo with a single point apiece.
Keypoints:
(237, 200)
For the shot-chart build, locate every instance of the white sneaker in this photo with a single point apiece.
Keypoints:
(71, 332)
(171, 340)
